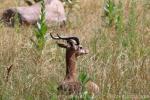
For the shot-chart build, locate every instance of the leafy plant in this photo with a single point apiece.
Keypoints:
(41, 28)
(84, 95)
(113, 14)
(109, 11)
(16, 22)
(83, 78)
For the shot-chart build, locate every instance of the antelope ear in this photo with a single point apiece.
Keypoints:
(62, 45)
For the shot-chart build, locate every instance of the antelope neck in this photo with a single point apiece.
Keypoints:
(70, 65)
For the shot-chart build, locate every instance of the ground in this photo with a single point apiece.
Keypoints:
(118, 61)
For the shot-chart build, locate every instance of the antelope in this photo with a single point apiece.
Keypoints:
(73, 51)
(29, 15)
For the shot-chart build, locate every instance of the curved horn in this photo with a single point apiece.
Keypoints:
(69, 38)
(54, 37)
(66, 38)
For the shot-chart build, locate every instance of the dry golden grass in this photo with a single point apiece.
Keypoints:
(121, 72)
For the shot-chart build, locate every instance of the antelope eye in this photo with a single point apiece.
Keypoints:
(80, 47)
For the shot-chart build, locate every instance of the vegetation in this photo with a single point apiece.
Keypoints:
(117, 34)
(41, 29)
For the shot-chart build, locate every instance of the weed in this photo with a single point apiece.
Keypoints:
(41, 28)
(109, 11)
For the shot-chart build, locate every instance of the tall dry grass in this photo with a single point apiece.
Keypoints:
(119, 58)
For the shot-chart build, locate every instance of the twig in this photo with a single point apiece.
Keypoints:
(8, 72)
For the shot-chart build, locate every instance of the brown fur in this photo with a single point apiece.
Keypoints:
(92, 88)
(70, 87)
(70, 65)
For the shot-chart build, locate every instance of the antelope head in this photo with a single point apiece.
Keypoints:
(72, 46)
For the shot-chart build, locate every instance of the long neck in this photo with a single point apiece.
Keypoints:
(70, 65)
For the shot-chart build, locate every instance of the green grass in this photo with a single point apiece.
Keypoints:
(119, 58)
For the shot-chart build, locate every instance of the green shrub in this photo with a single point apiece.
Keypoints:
(41, 28)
